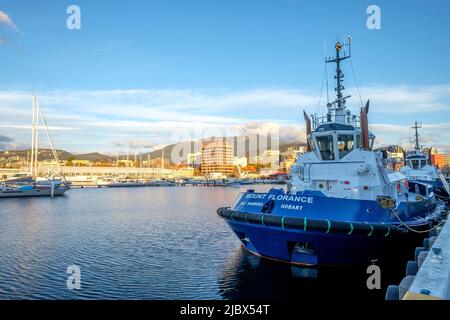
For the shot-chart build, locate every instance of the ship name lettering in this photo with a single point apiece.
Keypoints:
(256, 195)
(291, 207)
(294, 198)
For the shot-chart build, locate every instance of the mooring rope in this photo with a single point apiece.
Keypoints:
(413, 230)
(442, 197)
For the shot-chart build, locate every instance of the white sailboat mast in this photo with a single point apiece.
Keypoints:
(32, 140)
(162, 163)
(36, 136)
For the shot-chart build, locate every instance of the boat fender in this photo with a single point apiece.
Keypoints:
(411, 268)
(417, 251)
(392, 293)
(306, 224)
(426, 243)
(404, 285)
(421, 258)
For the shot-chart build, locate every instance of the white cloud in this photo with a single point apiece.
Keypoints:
(104, 117)
(436, 135)
(6, 20)
(407, 99)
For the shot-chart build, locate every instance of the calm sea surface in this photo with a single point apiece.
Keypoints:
(151, 243)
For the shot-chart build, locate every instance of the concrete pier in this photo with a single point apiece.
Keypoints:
(432, 281)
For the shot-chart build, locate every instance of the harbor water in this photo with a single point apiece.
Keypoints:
(152, 243)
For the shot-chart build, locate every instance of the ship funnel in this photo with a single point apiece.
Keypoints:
(308, 130)
(364, 124)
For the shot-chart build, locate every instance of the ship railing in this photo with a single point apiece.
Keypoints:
(349, 119)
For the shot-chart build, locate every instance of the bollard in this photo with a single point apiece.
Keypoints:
(421, 258)
(426, 243)
(418, 251)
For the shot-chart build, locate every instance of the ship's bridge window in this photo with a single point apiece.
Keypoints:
(326, 147)
(311, 143)
(345, 144)
(417, 163)
(423, 163)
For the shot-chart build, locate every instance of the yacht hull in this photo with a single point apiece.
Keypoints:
(40, 192)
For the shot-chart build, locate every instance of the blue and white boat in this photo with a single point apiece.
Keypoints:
(418, 168)
(29, 184)
(342, 206)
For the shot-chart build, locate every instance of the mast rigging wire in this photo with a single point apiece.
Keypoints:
(356, 82)
(50, 140)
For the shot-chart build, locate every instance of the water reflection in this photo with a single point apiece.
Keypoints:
(246, 276)
(149, 243)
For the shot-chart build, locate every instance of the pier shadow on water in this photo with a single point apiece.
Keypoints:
(247, 276)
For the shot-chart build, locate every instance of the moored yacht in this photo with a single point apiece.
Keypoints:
(342, 206)
(30, 185)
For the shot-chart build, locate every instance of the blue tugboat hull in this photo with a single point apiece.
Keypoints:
(324, 249)
(310, 228)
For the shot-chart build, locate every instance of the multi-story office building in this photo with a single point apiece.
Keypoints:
(217, 158)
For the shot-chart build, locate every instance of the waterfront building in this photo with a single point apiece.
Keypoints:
(217, 158)
(287, 158)
(446, 160)
(396, 155)
(240, 161)
(155, 163)
(125, 163)
(194, 159)
(438, 160)
(80, 163)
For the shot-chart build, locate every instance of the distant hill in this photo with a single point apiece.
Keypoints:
(93, 156)
(286, 145)
(167, 152)
(43, 154)
(283, 146)
(46, 154)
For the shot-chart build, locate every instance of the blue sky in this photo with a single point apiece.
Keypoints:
(150, 71)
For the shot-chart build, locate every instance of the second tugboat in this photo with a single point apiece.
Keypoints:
(342, 206)
(418, 168)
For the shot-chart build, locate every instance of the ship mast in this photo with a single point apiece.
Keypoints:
(338, 106)
(416, 127)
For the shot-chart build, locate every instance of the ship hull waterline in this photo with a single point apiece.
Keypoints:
(331, 249)
(309, 242)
